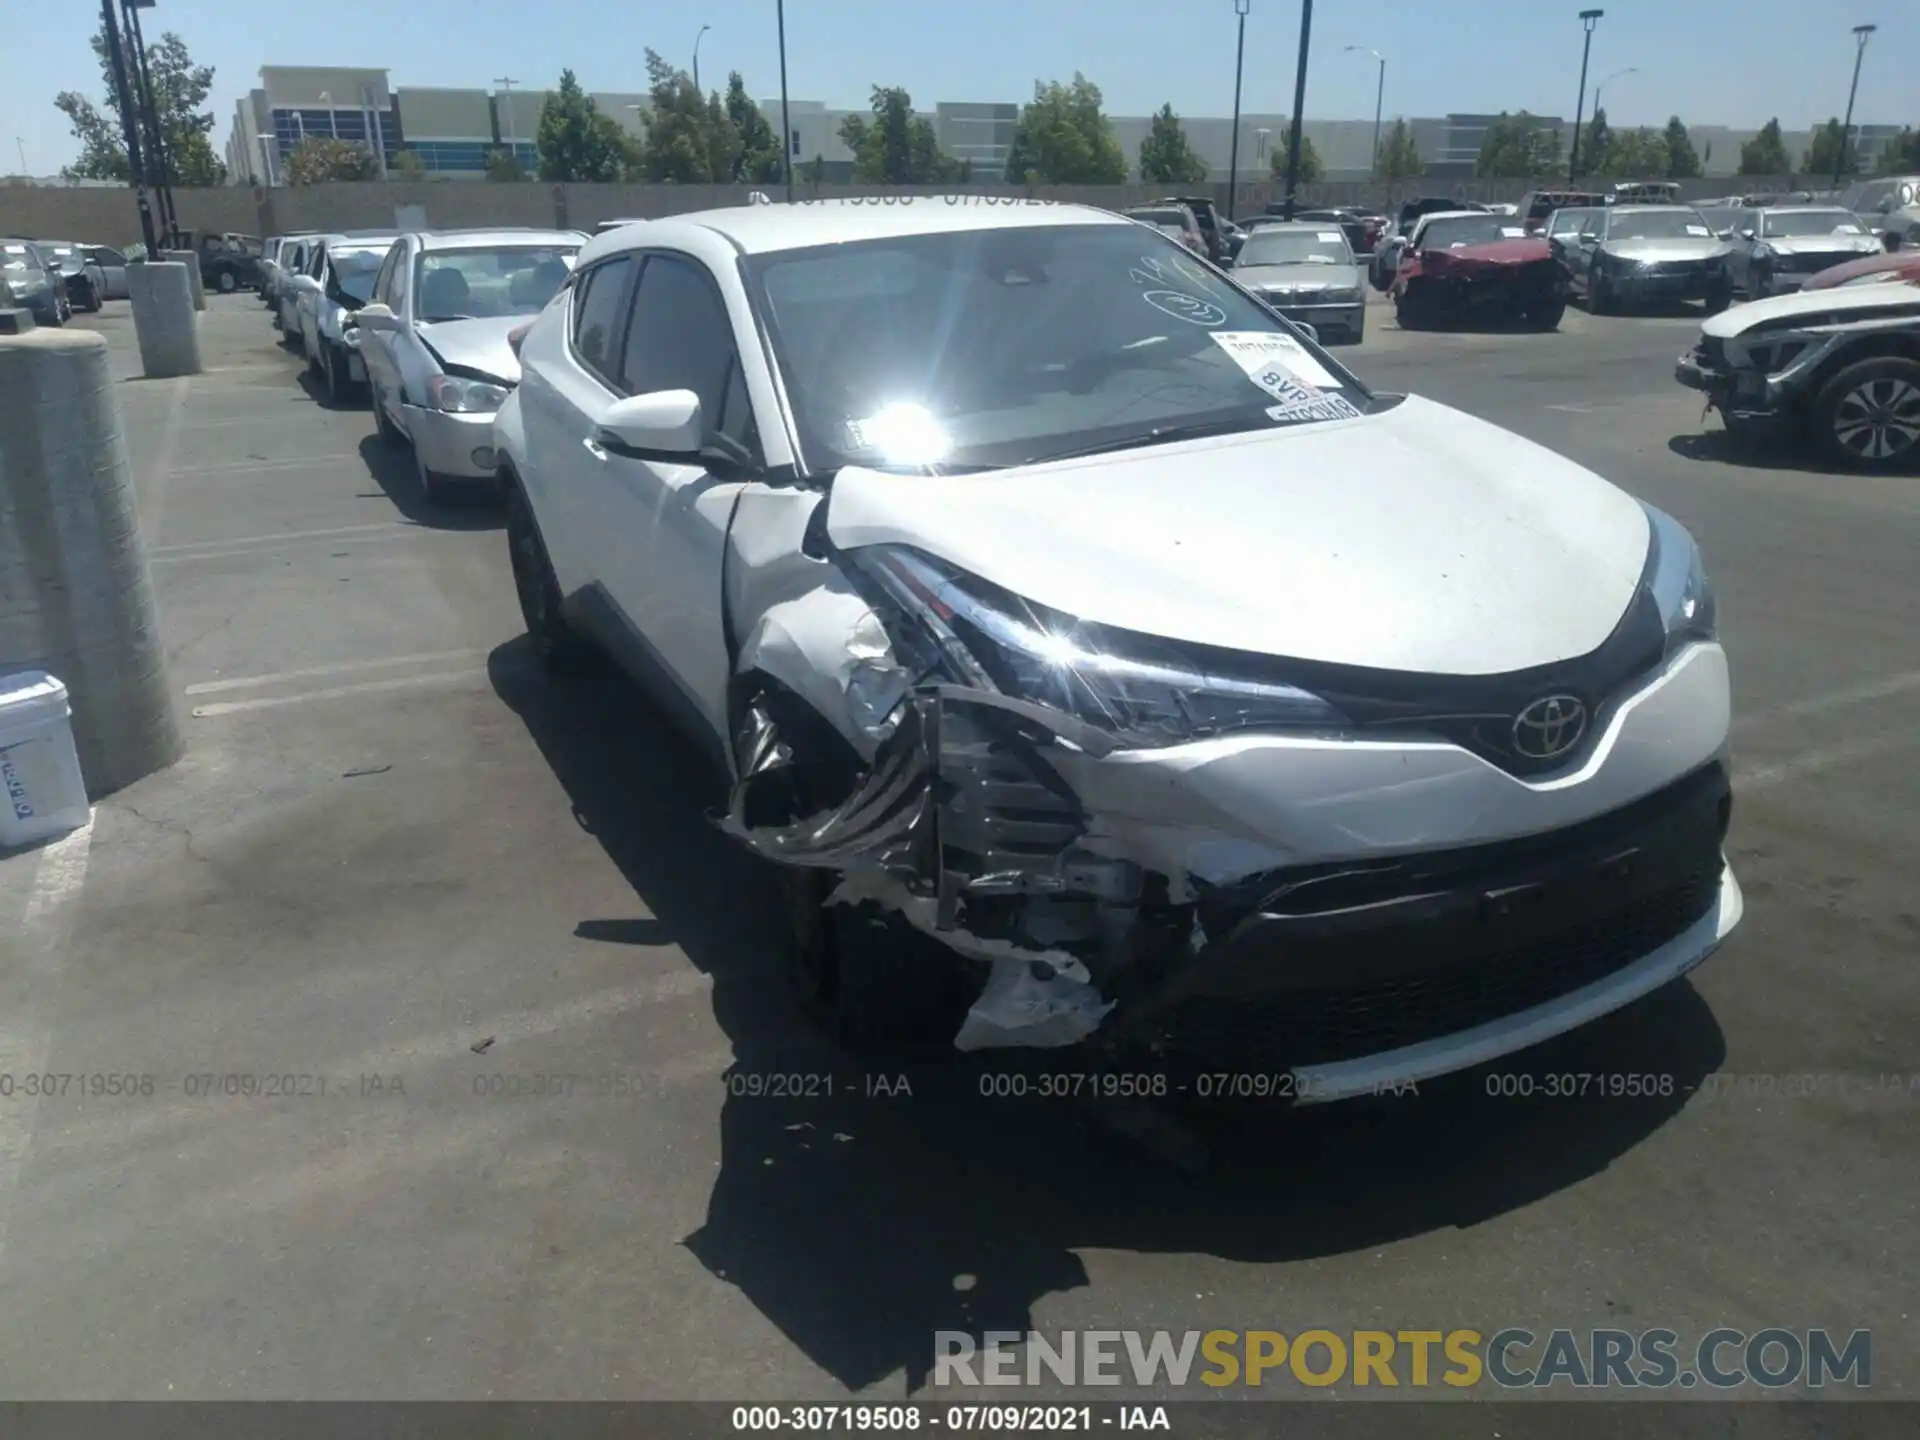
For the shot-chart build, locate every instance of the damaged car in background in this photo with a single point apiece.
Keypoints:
(1838, 365)
(1099, 663)
(1465, 266)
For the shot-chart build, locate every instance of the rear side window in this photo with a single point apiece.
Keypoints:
(598, 315)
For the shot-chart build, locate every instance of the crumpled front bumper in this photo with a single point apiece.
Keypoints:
(458, 446)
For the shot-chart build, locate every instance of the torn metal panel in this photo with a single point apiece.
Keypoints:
(829, 648)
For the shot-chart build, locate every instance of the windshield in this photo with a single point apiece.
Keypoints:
(1812, 222)
(490, 281)
(1658, 225)
(1007, 346)
(1295, 247)
(1163, 218)
(15, 255)
(1719, 217)
(356, 270)
(1468, 230)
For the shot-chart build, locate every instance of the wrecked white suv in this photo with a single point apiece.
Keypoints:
(1102, 664)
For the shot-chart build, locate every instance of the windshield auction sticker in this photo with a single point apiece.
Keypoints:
(1256, 351)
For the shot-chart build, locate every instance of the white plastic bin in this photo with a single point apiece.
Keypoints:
(42, 793)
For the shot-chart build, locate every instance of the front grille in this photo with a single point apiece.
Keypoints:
(1280, 1031)
(1805, 264)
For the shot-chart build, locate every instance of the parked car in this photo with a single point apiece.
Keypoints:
(1643, 192)
(1888, 266)
(1889, 207)
(228, 261)
(112, 265)
(1839, 365)
(1723, 220)
(296, 258)
(1782, 248)
(1016, 576)
(1536, 205)
(85, 284)
(1634, 255)
(1306, 271)
(36, 282)
(436, 341)
(1469, 265)
(1215, 229)
(1349, 222)
(1386, 255)
(281, 257)
(1174, 221)
(338, 281)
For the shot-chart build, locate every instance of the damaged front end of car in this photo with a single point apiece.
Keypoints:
(1765, 376)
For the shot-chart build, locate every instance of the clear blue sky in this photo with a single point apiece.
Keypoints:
(1731, 62)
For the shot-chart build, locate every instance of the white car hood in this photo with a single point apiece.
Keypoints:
(479, 344)
(1839, 300)
(1419, 539)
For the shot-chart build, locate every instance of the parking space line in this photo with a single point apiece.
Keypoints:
(247, 467)
(314, 672)
(371, 687)
(206, 549)
(156, 499)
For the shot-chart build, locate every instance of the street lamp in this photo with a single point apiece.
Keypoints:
(1861, 34)
(1379, 94)
(506, 84)
(1588, 18)
(266, 157)
(333, 130)
(696, 57)
(786, 125)
(1299, 110)
(1601, 89)
(1240, 8)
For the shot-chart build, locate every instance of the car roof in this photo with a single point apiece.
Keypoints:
(356, 239)
(1458, 215)
(763, 229)
(431, 240)
(1317, 226)
(1648, 209)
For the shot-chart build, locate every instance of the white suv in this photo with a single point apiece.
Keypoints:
(1079, 642)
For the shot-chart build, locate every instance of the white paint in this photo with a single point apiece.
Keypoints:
(248, 467)
(459, 677)
(197, 549)
(27, 985)
(1814, 762)
(313, 672)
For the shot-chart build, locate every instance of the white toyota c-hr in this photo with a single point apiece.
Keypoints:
(1103, 664)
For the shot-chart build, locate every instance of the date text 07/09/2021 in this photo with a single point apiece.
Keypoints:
(956, 1419)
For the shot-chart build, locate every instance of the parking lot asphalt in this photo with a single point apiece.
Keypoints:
(474, 931)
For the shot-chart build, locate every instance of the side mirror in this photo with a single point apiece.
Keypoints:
(303, 284)
(663, 425)
(1746, 234)
(1589, 237)
(375, 316)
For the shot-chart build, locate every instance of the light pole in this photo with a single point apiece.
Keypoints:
(506, 84)
(129, 127)
(333, 129)
(1240, 8)
(1861, 34)
(696, 58)
(1599, 93)
(1299, 110)
(786, 125)
(266, 158)
(376, 132)
(22, 143)
(1588, 18)
(159, 153)
(1379, 94)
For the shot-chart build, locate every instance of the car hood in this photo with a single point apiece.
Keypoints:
(1824, 244)
(1677, 247)
(1494, 252)
(1840, 301)
(1417, 539)
(1298, 277)
(478, 345)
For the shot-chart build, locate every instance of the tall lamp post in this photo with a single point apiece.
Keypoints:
(333, 127)
(1861, 34)
(506, 84)
(1299, 110)
(1379, 95)
(159, 161)
(786, 124)
(1599, 94)
(1588, 18)
(129, 127)
(696, 57)
(1240, 8)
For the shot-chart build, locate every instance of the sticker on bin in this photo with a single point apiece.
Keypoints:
(1258, 350)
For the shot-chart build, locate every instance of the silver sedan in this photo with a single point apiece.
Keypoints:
(435, 340)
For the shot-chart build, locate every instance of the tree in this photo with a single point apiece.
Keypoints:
(504, 166)
(1063, 137)
(1518, 147)
(760, 158)
(320, 159)
(1311, 170)
(1901, 154)
(1596, 146)
(1636, 155)
(1399, 156)
(180, 88)
(690, 139)
(574, 141)
(1831, 149)
(895, 147)
(1165, 156)
(1682, 163)
(408, 166)
(1766, 153)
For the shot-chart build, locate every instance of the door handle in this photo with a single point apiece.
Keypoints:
(594, 447)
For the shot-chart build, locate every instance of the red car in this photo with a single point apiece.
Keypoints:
(1461, 266)
(1894, 265)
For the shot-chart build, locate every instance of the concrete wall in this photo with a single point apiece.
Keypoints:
(108, 216)
(434, 113)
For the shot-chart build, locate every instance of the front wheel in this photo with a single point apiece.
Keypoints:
(226, 282)
(1547, 314)
(1868, 416)
(558, 645)
(1599, 291)
(338, 376)
(1719, 297)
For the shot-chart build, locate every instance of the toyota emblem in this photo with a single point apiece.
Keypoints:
(1549, 727)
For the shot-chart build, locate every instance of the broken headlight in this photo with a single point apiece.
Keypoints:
(1679, 582)
(996, 641)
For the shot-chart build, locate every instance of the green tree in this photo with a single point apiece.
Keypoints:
(895, 147)
(1064, 138)
(1165, 156)
(1682, 162)
(180, 88)
(1596, 146)
(320, 159)
(1518, 147)
(574, 141)
(1901, 154)
(759, 159)
(1830, 150)
(1399, 156)
(690, 139)
(1637, 155)
(1766, 153)
(504, 166)
(1311, 170)
(409, 166)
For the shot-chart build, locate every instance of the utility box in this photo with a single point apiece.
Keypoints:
(42, 792)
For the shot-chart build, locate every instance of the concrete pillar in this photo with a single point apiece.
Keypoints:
(163, 318)
(76, 599)
(190, 259)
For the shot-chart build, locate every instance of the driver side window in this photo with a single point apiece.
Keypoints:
(679, 337)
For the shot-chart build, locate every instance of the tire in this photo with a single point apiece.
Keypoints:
(1599, 291)
(313, 357)
(341, 391)
(559, 647)
(226, 282)
(1758, 285)
(1547, 314)
(388, 432)
(1867, 417)
(1410, 313)
(1719, 297)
